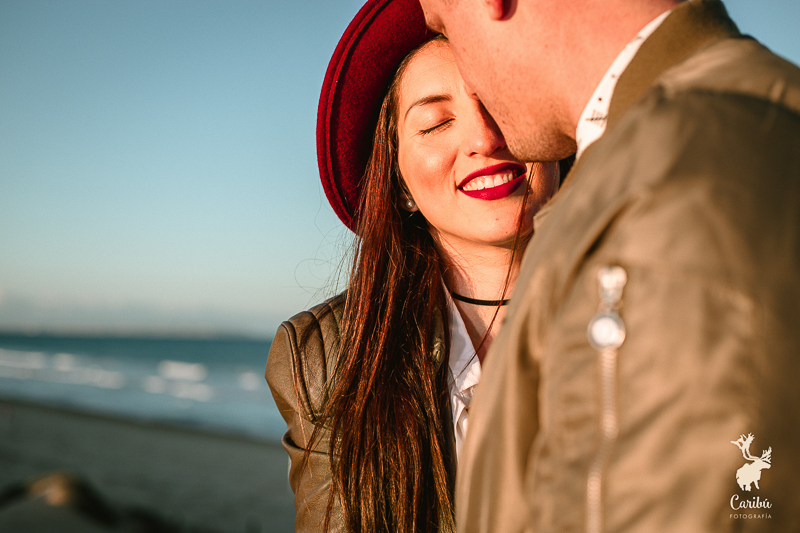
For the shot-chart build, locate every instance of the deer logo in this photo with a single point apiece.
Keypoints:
(751, 472)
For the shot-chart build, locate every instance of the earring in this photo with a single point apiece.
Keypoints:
(410, 205)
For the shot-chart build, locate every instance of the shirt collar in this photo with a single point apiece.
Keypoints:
(592, 122)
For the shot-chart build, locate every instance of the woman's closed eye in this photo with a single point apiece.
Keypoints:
(438, 127)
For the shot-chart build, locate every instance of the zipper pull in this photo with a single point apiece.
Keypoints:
(606, 328)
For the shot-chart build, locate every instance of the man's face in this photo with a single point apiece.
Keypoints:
(458, 21)
(510, 65)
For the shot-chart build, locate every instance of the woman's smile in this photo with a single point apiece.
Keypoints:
(494, 182)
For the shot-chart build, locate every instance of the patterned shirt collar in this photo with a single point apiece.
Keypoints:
(592, 122)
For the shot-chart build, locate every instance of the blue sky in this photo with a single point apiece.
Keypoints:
(157, 160)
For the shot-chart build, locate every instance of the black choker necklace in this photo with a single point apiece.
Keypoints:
(493, 303)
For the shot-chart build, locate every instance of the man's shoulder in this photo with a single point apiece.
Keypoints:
(733, 101)
(737, 66)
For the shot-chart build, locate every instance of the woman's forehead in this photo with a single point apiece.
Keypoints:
(432, 69)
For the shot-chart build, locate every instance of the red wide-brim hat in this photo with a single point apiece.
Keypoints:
(358, 77)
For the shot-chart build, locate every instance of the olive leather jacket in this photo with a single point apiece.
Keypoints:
(694, 190)
(305, 347)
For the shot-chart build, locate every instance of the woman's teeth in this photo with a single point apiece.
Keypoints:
(487, 182)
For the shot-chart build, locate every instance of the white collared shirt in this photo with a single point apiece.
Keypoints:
(465, 372)
(592, 122)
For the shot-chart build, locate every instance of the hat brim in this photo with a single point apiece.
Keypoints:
(358, 76)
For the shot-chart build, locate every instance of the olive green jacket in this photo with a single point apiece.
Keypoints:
(300, 366)
(694, 190)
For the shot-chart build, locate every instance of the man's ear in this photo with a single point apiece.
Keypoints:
(498, 9)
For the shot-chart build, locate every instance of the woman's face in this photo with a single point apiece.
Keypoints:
(454, 160)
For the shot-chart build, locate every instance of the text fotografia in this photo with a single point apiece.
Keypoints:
(764, 516)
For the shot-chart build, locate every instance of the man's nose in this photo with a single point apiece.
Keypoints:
(484, 137)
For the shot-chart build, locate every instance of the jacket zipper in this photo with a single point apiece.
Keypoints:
(606, 333)
(610, 429)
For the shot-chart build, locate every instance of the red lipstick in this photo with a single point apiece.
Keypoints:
(499, 191)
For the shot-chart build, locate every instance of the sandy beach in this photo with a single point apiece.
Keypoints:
(223, 483)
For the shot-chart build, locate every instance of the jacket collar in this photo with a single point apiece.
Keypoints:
(689, 27)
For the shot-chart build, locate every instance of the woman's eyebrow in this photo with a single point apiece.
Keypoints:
(425, 100)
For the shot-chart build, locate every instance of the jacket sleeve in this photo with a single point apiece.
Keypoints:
(297, 370)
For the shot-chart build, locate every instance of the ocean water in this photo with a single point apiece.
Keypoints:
(214, 384)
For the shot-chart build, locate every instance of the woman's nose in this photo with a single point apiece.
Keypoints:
(484, 137)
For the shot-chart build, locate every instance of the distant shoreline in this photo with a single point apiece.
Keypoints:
(156, 425)
(214, 386)
(145, 334)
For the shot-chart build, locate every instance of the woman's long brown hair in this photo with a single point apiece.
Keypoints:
(387, 406)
